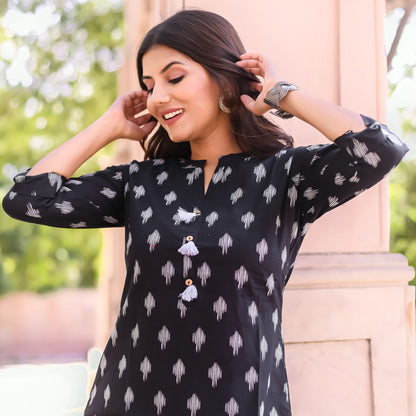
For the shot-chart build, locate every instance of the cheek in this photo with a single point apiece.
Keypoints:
(150, 106)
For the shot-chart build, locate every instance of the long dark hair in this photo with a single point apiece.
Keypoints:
(211, 41)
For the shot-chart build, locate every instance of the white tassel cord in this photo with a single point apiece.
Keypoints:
(189, 293)
(189, 249)
(186, 216)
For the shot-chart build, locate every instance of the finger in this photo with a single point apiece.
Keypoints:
(248, 102)
(255, 56)
(142, 119)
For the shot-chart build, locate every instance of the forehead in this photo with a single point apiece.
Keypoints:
(158, 56)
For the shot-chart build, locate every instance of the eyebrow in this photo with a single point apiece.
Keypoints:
(165, 68)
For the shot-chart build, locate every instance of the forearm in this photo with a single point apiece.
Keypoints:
(68, 157)
(330, 119)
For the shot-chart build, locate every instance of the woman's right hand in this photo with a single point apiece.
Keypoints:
(124, 117)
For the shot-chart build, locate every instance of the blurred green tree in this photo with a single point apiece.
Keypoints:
(58, 63)
(401, 25)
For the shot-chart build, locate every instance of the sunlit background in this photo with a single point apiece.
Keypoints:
(58, 63)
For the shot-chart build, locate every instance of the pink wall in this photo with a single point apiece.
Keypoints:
(56, 326)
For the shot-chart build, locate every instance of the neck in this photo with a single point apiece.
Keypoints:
(213, 148)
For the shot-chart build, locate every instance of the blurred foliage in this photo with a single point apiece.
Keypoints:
(403, 212)
(58, 63)
(402, 112)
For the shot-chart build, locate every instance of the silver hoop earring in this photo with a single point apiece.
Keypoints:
(222, 106)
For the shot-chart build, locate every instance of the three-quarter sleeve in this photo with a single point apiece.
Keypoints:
(326, 176)
(89, 201)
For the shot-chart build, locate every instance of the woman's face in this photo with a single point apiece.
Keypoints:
(182, 95)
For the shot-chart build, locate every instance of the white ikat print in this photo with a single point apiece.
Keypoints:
(231, 407)
(55, 180)
(159, 401)
(225, 242)
(241, 276)
(211, 218)
(146, 215)
(236, 195)
(178, 370)
(251, 378)
(139, 191)
(153, 240)
(204, 273)
(128, 398)
(193, 404)
(136, 272)
(253, 312)
(103, 365)
(32, 212)
(292, 193)
(286, 391)
(170, 197)
(259, 172)
(110, 219)
(163, 337)
(270, 284)
(125, 307)
(273, 412)
(278, 355)
(122, 365)
(182, 308)
(107, 394)
(133, 168)
(109, 193)
(135, 335)
(275, 319)
(262, 249)
(215, 374)
(236, 342)
(339, 179)
(264, 347)
(220, 307)
(149, 303)
(269, 193)
(198, 338)
(168, 271)
(114, 336)
(65, 207)
(247, 219)
(310, 193)
(161, 178)
(81, 224)
(193, 176)
(221, 175)
(145, 368)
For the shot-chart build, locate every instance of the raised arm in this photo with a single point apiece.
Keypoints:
(330, 119)
(119, 121)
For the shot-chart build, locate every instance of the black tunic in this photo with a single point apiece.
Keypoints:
(220, 353)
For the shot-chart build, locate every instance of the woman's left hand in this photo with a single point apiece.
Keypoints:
(261, 67)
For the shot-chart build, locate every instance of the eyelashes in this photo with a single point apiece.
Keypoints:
(176, 80)
(171, 81)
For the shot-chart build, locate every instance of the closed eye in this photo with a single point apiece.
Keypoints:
(176, 80)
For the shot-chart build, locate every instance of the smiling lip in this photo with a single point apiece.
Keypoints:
(171, 115)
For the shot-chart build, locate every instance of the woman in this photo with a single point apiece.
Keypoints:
(214, 218)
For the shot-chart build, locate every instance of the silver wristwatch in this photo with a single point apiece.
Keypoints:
(276, 94)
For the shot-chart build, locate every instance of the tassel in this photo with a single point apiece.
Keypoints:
(186, 216)
(189, 293)
(189, 249)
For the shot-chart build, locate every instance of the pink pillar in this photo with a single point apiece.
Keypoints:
(349, 312)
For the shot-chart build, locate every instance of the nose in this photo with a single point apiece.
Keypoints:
(159, 95)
